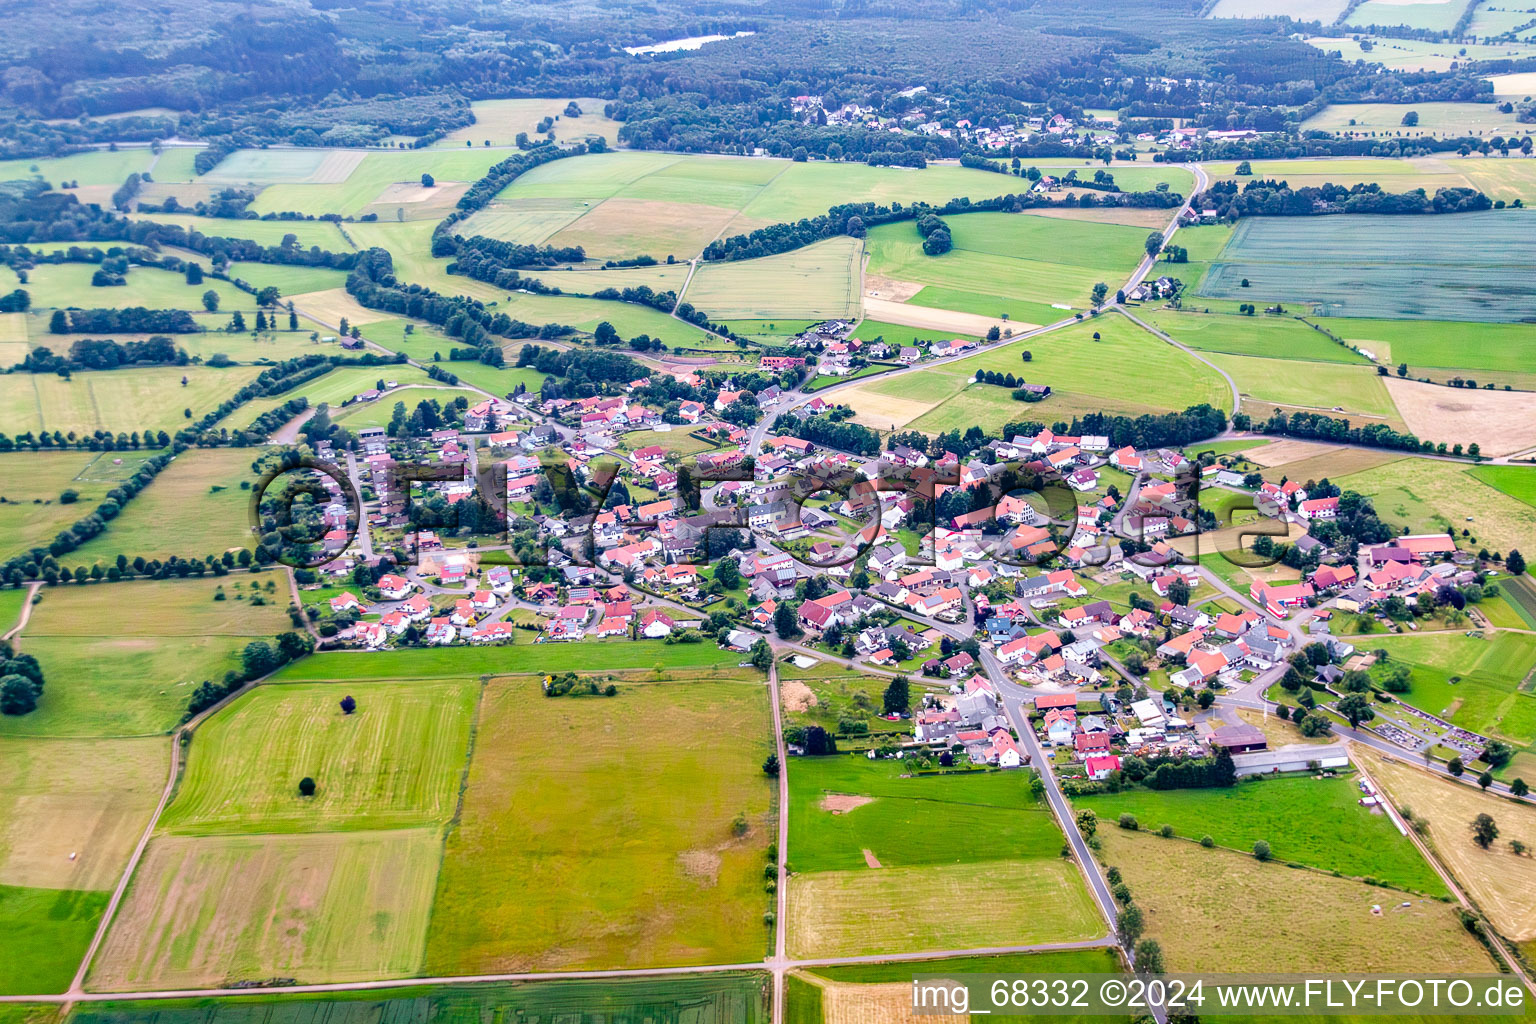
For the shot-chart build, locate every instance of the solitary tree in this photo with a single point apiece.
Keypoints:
(1100, 290)
(1154, 243)
(211, 301)
(306, 786)
(1519, 788)
(898, 696)
(427, 180)
(1261, 850)
(348, 705)
(1515, 563)
(1484, 831)
(771, 765)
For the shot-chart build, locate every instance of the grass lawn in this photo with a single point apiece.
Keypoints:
(429, 663)
(122, 401)
(213, 910)
(1426, 496)
(394, 763)
(1266, 917)
(73, 809)
(1315, 822)
(31, 483)
(623, 856)
(47, 932)
(121, 659)
(1499, 882)
(1519, 482)
(195, 506)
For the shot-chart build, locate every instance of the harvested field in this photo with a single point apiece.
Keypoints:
(274, 166)
(879, 287)
(621, 227)
(818, 280)
(889, 1003)
(71, 810)
(1277, 453)
(911, 909)
(330, 907)
(932, 319)
(1333, 465)
(1266, 917)
(1502, 422)
(329, 306)
(883, 412)
(1499, 881)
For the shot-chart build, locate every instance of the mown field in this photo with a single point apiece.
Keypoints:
(1317, 823)
(1265, 383)
(1498, 880)
(1434, 16)
(351, 182)
(590, 837)
(1268, 336)
(882, 862)
(63, 285)
(426, 663)
(1015, 264)
(395, 762)
(820, 280)
(46, 933)
(726, 997)
(31, 483)
(1449, 119)
(196, 505)
(208, 911)
(1375, 266)
(121, 659)
(1126, 370)
(323, 233)
(426, 342)
(1266, 917)
(1425, 496)
(379, 413)
(498, 122)
(123, 401)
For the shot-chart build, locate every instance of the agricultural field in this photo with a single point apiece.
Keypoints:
(430, 663)
(355, 182)
(1013, 264)
(1269, 336)
(64, 285)
(426, 342)
(880, 866)
(1355, 265)
(1325, 11)
(1435, 119)
(1471, 681)
(93, 167)
(1519, 482)
(210, 911)
(532, 876)
(200, 503)
(1426, 496)
(1506, 350)
(1423, 55)
(821, 280)
(338, 386)
(323, 233)
(379, 413)
(1499, 881)
(1357, 391)
(122, 659)
(1433, 15)
(46, 933)
(1500, 422)
(31, 484)
(288, 280)
(498, 122)
(123, 401)
(725, 997)
(1085, 375)
(395, 762)
(1317, 823)
(1267, 917)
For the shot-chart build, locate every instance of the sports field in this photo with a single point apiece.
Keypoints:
(395, 762)
(147, 398)
(591, 835)
(31, 483)
(1273, 337)
(1127, 371)
(1008, 257)
(821, 280)
(1425, 496)
(1499, 881)
(121, 659)
(1317, 823)
(1266, 917)
(1359, 265)
(196, 505)
(209, 911)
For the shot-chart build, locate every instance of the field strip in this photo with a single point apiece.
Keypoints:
(932, 319)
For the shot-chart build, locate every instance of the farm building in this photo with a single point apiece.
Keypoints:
(1239, 739)
(1290, 759)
